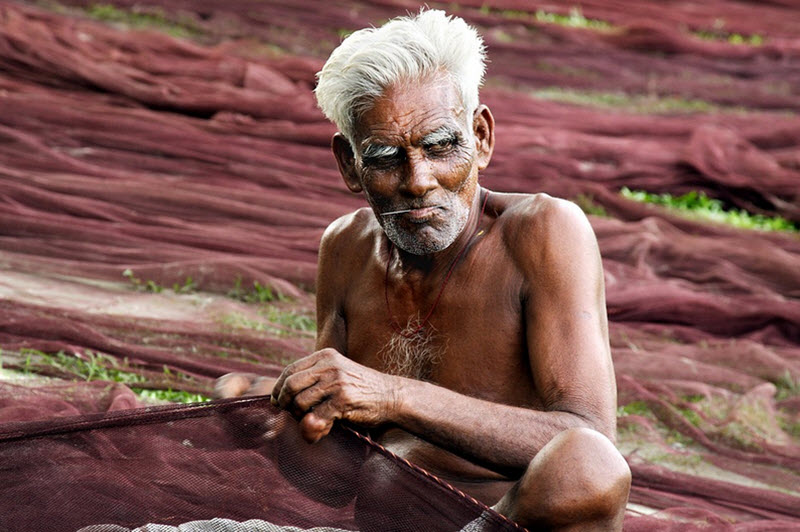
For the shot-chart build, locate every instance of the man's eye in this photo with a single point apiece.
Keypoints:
(441, 148)
(381, 163)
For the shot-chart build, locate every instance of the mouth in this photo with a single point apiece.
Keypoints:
(417, 214)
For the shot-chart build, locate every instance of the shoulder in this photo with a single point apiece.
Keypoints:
(541, 231)
(346, 246)
(349, 232)
(537, 221)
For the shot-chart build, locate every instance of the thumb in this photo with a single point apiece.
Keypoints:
(318, 423)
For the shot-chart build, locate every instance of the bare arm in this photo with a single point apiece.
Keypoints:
(566, 329)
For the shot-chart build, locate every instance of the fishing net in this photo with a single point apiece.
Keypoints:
(241, 460)
(162, 200)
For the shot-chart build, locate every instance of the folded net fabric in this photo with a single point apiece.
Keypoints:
(238, 459)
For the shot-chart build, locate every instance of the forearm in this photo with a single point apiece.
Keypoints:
(497, 436)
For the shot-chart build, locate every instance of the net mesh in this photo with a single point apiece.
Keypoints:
(238, 459)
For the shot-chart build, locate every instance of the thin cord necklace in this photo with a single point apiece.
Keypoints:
(396, 326)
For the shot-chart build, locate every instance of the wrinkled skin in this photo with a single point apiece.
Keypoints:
(519, 408)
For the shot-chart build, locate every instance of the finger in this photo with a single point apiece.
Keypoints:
(293, 385)
(261, 386)
(295, 367)
(233, 385)
(318, 423)
(306, 400)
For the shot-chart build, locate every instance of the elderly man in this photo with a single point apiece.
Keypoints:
(465, 328)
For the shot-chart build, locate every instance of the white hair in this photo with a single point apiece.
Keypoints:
(405, 48)
(415, 352)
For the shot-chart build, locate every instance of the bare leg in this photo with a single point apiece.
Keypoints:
(577, 482)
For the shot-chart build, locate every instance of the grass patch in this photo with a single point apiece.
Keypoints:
(698, 205)
(787, 386)
(636, 408)
(290, 322)
(89, 366)
(257, 294)
(589, 206)
(672, 437)
(792, 428)
(187, 287)
(732, 38)
(170, 396)
(698, 398)
(718, 33)
(690, 415)
(634, 103)
(153, 18)
(574, 19)
(92, 366)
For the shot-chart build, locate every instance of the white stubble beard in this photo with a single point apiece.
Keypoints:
(416, 244)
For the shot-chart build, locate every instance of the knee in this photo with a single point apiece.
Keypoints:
(578, 477)
(595, 473)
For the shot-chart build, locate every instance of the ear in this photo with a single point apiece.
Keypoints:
(347, 163)
(483, 127)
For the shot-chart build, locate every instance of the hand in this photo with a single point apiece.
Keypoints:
(326, 386)
(242, 385)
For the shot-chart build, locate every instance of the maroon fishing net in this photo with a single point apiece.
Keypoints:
(240, 460)
(162, 200)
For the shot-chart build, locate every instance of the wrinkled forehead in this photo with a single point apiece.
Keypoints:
(410, 110)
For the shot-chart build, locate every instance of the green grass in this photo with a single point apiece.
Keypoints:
(98, 367)
(257, 294)
(89, 367)
(718, 33)
(153, 18)
(790, 427)
(140, 285)
(574, 19)
(787, 386)
(588, 205)
(671, 436)
(189, 286)
(293, 321)
(698, 205)
(634, 103)
(170, 396)
(635, 408)
(732, 38)
(691, 416)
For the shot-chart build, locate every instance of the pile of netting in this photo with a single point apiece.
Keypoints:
(238, 460)
(162, 199)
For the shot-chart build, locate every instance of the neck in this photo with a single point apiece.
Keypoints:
(442, 260)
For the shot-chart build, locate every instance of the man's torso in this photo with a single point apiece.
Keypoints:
(474, 342)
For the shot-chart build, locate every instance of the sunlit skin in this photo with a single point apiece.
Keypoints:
(519, 410)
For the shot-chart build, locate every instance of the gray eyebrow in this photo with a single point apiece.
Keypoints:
(377, 151)
(441, 136)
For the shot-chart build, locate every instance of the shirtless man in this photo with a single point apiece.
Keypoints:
(466, 329)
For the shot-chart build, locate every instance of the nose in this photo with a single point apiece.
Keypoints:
(420, 178)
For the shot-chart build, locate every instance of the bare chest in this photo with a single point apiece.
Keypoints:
(472, 342)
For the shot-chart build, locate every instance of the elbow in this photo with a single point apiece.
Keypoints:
(604, 424)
